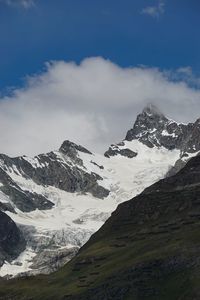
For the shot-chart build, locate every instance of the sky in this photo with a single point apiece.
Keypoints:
(82, 70)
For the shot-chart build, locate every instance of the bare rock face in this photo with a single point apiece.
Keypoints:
(26, 201)
(63, 169)
(12, 242)
(152, 128)
(71, 148)
(115, 150)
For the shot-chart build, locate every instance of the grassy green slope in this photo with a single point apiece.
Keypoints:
(148, 249)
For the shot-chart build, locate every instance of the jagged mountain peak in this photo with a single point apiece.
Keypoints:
(148, 122)
(153, 129)
(197, 123)
(67, 147)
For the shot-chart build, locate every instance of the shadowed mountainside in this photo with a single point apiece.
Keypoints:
(11, 240)
(148, 249)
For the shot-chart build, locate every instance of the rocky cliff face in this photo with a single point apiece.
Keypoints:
(154, 129)
(12, 242)
(25, 201)
(63, 169)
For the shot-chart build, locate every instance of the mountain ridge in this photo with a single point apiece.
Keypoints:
(59, 199)
(148, 248)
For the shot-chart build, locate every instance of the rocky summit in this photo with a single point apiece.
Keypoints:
(57, 200)
(154, 129)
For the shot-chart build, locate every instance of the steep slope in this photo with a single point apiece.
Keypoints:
(153, 129)
(11, 240)
(147, 249)
(59, 199)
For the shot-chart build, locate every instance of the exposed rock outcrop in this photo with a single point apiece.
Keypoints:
(154, 129)
(12, 242)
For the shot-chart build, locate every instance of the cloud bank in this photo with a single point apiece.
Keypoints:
(155, 11)
(93, 104)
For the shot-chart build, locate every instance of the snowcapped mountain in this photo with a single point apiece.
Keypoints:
(153, 129)
(59, 199)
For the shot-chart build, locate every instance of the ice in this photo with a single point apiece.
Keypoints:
(19, 265)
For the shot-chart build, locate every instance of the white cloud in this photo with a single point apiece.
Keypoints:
(93, 104)
(22, 3)
(155, 11)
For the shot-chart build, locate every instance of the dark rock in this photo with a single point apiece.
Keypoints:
(12, 242)
(6, 207)
(100, 167)
(115, 150)
(69, 147)
(65, 172)
(152, 128)
(23, 200)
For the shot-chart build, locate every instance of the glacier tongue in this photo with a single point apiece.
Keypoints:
(56, 234)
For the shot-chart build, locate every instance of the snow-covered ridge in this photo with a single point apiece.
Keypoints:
(78, 215)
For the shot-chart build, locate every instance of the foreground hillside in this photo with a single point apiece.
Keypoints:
(148, 249)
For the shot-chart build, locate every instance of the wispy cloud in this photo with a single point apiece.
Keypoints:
(155, 11)
(23, 3)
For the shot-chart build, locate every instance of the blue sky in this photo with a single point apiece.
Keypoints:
(83, 69)
(118, 30)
